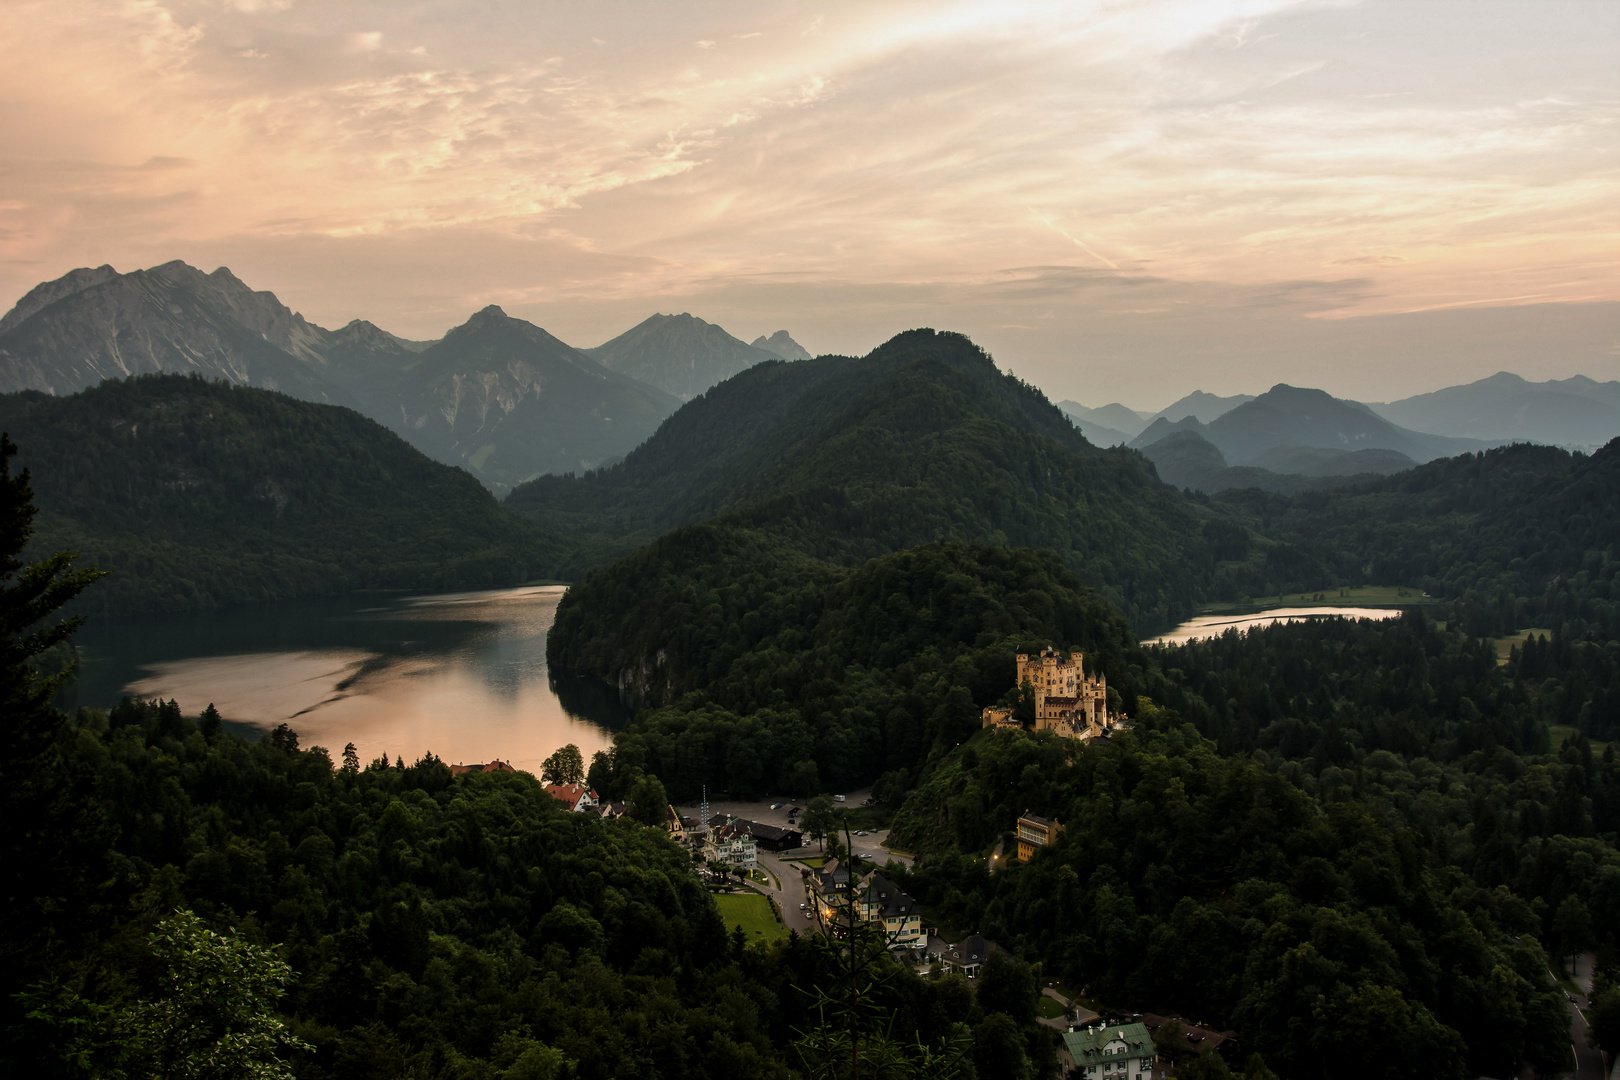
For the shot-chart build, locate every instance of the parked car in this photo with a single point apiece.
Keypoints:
(860, 832)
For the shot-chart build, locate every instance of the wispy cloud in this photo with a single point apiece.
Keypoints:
(1233, 143)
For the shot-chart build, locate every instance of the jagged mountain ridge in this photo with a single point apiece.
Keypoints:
(782, 344)
(680, 354)
(90, 325)
(87, 326)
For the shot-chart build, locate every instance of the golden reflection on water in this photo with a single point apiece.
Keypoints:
(1206, 626)
(486, 697)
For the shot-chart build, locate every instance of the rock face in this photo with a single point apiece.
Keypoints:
(680, 354)
(498, 396)
(90, 325)
(780, 344)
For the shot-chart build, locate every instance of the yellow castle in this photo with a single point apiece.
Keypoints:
(1065, 700)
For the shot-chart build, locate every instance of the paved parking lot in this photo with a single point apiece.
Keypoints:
(788, 889)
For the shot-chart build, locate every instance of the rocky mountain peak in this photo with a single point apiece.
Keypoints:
(49, 292)
(781, 344)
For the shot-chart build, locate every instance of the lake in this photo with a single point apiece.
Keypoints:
(463, 675)
(1215, 625)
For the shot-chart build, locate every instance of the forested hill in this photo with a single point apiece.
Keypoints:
(1521, 536)
(197, 494)
(842, 459)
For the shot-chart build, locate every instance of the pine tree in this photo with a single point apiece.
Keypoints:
(55, 835)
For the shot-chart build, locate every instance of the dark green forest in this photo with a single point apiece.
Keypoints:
(841, 460)
(1363, 822)
(762, 667)
(199, 495)
(184, 903)
(1520, 536)
(1362, 845)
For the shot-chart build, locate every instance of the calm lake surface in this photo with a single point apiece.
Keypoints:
(1215, 625)
(460, 674)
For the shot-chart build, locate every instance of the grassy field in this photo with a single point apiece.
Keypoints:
(1048, 1009)
(1503, 644)
(755, 914)
(1361, 596)
(1560, 732)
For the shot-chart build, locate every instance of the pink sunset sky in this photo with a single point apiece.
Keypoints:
(1121, 200)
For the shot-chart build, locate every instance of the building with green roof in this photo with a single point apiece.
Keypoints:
(1108, 1052)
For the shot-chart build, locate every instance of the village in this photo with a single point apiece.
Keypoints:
(784, 868)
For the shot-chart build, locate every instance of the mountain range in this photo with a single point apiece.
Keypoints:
(1116, 424)
(1577, 412)
(1287, 426)
(498, 396)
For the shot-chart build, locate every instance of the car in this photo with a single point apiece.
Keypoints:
(776, 806)
(860, 832)
(804, 907)
(920, 943)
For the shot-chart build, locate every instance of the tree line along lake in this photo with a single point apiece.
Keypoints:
(460, 675)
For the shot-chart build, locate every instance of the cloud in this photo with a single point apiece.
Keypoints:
(905, 153)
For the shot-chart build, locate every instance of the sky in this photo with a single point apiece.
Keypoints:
(1120, 200)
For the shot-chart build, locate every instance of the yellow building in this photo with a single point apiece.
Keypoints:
(1035, 832)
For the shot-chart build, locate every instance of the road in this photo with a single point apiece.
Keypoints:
(789, 892)
(1588, 1062)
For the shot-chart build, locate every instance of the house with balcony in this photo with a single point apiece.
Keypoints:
(1108, 1052)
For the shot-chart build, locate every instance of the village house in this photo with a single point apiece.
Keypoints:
(828, 887)
(575, 797)
(879, 901)
(1036, 832)
(1108, 1052)
(774, 837)
(969, 954)
(731, 844)
(1067, 702)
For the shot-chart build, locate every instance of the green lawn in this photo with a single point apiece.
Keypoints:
(1503, 644)
(752, 912)
(1048, 1009)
